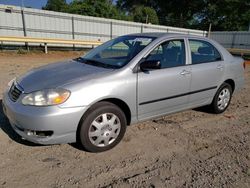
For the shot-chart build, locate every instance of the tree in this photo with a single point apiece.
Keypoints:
(197, 14)
(101, 8)
(130, 5)
(145, 15)
(226, 15)
(56, 5)
(179, 12)
(172, 12)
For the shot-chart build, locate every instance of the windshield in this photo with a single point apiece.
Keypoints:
(118, 52)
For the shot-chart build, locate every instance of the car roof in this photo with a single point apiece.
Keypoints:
(162, 34)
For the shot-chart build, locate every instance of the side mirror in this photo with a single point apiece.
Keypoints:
(150, 64)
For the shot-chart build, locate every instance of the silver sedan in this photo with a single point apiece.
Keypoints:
(132, 78)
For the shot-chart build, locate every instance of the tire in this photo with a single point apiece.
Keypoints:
(220, 103)
(102, 127)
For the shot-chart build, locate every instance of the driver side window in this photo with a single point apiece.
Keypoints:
(170, 53)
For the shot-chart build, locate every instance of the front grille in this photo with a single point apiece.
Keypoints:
(15, 92)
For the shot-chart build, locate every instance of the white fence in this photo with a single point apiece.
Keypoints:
(233, 39)
(48, 24)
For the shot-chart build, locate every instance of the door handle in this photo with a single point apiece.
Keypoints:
(184, 72)
(220, 67)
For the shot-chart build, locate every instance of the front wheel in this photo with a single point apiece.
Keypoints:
(222, 99)
(102, 127)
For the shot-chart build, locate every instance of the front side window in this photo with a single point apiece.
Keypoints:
(203, 52)
(118, 52)
(170, 53)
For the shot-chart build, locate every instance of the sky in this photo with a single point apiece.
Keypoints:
(27, 3)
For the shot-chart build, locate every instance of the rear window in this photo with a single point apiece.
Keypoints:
(203, 52)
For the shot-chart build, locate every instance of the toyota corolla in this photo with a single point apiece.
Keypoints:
(132, 78)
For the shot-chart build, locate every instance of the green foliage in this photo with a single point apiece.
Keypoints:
(145, 15)
(101, 8)
(198, 14)
(226, 14)
(223, 14)
(56, 5)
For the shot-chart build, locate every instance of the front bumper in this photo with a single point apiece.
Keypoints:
(62, 122)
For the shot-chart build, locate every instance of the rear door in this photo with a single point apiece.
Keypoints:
(207, 67)
(164, 90)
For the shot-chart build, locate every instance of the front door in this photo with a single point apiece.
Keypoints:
(164, 90)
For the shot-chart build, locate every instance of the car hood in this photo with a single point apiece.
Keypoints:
(58, 74)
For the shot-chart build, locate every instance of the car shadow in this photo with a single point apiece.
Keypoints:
(204, 109)
(77, 146)
(6, 127)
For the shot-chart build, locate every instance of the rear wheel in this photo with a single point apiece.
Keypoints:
(102, 127)
(222, 99)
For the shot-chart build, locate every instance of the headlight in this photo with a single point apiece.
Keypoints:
(47, 97)
(11, 82)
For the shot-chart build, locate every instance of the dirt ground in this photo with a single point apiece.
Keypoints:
(188, 149)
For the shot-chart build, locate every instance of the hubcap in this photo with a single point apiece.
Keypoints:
(223, 99)
(104, 129)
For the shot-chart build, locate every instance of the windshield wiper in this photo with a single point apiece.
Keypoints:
(95, 63)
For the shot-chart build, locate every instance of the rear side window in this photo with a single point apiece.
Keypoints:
(170, 53)
(203, 52)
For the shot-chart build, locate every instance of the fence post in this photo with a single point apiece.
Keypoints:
(141, 28)
(111, 30)
(24, 28)
(209, 30)
(73, 30)
(45, 48)
(233, 40)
